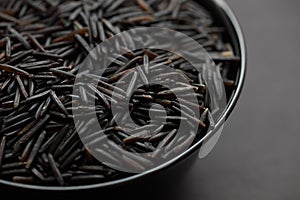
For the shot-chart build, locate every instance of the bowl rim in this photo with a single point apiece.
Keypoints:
(221, 4)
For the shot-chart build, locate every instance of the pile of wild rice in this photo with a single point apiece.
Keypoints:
(42, 43)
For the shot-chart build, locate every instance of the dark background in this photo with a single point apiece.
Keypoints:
(258, 155)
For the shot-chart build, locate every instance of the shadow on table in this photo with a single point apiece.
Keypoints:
(162, 185)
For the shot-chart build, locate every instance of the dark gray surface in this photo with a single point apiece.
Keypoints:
(258, 156)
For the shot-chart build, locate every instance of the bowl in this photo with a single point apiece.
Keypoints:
(225, 17)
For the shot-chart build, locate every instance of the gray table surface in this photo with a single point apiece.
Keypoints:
(258, 155)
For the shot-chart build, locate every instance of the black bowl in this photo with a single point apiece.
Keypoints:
(223, 16)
